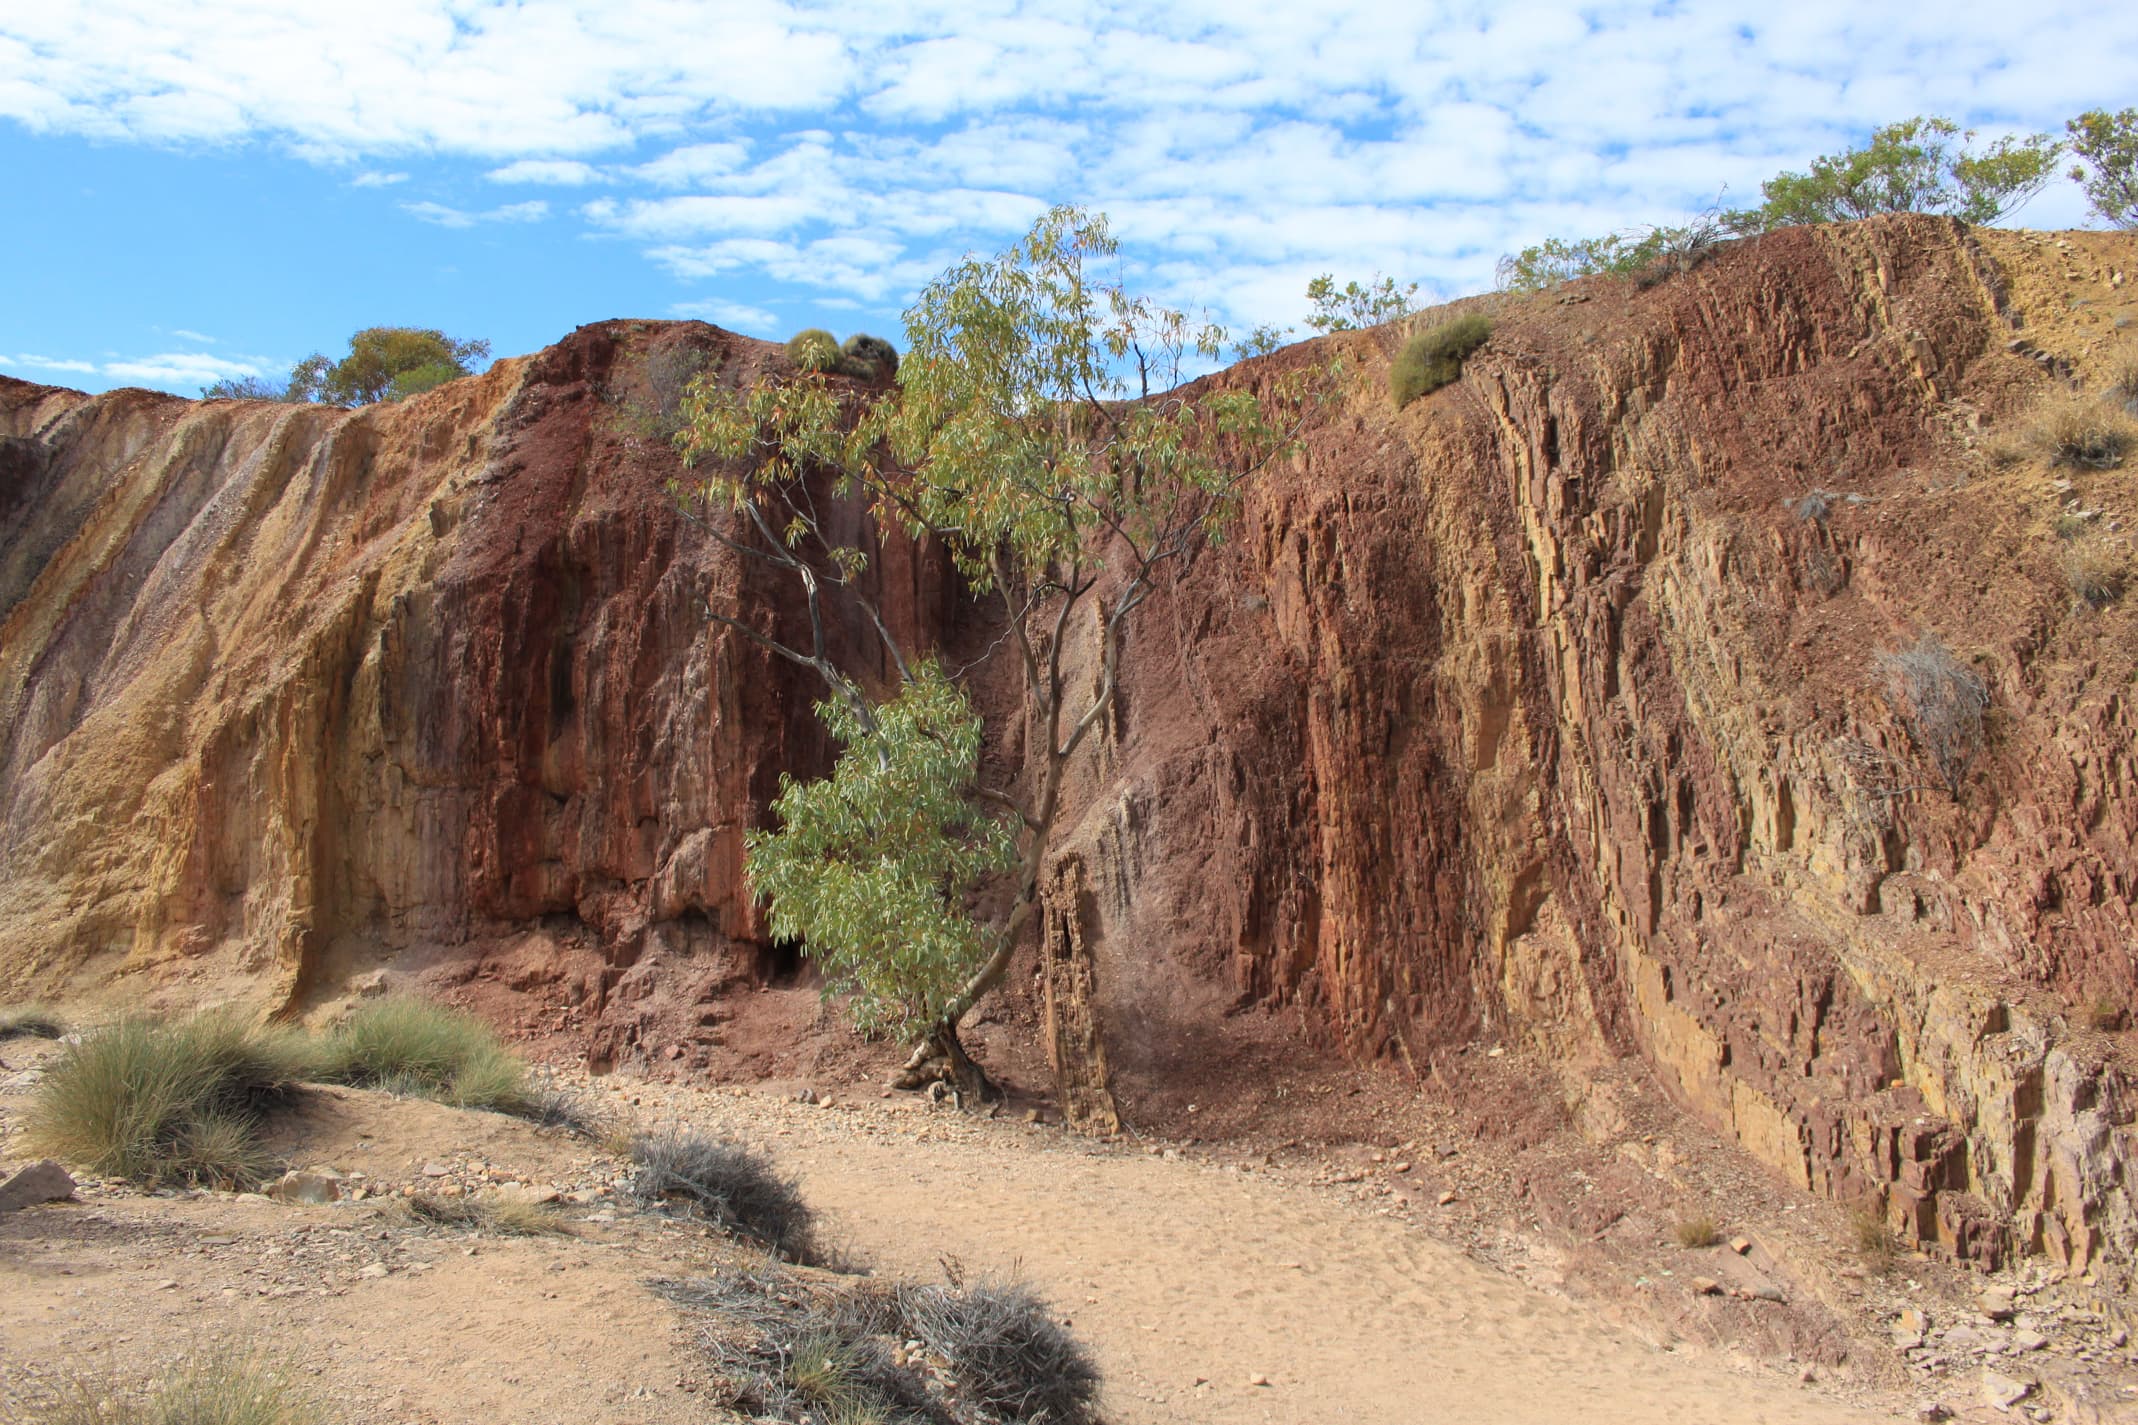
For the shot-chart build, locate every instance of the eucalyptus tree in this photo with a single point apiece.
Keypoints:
(1043, 433)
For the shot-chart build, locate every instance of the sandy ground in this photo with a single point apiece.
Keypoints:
(1191, 1278)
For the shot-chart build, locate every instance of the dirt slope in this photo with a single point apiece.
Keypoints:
(1190, 1278)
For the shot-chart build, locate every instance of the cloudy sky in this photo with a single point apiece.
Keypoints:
(206, 189)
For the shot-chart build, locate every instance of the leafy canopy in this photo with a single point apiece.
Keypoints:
(1351, 307)
(1920, 165)
(385, 364)
(1039, 431)
(873, 865)
(1035, 410)
(2107, 146)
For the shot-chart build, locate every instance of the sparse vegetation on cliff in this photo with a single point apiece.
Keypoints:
(813, 349)
(385, 364)
(157, 1102)
(2096, 568)
(1432, 359)
(1919, 165)
(1944, 701)
(2084, 432)
(1352, 307)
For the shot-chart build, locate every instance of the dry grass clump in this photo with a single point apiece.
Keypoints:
(1945, 702)
(2123, 378)
(1698, 1232)
(860, 1351)
(1434, 357)
(30, 1021)
(726, 1183)
(2097, 569)
(500, 1214)
(1873, 1240)
(155, 1102)
(410, 1046)
(225, 1386)
(2090, 434)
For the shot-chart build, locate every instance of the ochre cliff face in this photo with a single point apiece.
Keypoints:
(285, 691)
(1543, 712)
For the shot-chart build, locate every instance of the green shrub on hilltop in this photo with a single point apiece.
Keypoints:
(2106, 146)
(1434, 358)
(813, 349)
(870, 357)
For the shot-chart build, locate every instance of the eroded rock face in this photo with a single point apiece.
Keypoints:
(289, 690)
(1546, 711)
(1550, 709)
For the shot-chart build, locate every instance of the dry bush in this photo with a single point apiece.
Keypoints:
(733, 1187)
(155, 1102)
(2123, 378)
(793, 1348)
(1945, 702)
(1004, 1349)
(500, 1214)
(30, 1021)
(2097, 569)
(2091, 434)
(1873, 1240)
(1698, 1232)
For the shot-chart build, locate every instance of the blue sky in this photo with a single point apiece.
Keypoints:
(200, 190)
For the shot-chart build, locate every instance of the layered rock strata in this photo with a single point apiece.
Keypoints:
(1554, 710)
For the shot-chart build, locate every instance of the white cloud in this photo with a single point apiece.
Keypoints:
(445, 217)
(558, 172)
(849, 150)
(47, 363)
(184, 334)
(736, 316)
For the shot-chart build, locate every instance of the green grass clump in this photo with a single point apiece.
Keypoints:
(30, 1021)
(215, 1387)
(814, 349)
(1434, 358)
(411, 1046)
(156, 1102)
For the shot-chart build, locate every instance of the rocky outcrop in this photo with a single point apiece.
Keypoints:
(288, 691)
(1549, 711)
(1555, 709)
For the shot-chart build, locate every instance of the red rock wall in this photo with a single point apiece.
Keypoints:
(1532, 714)
(1539, 712)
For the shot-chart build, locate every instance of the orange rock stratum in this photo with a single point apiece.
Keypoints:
(1552, 711)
